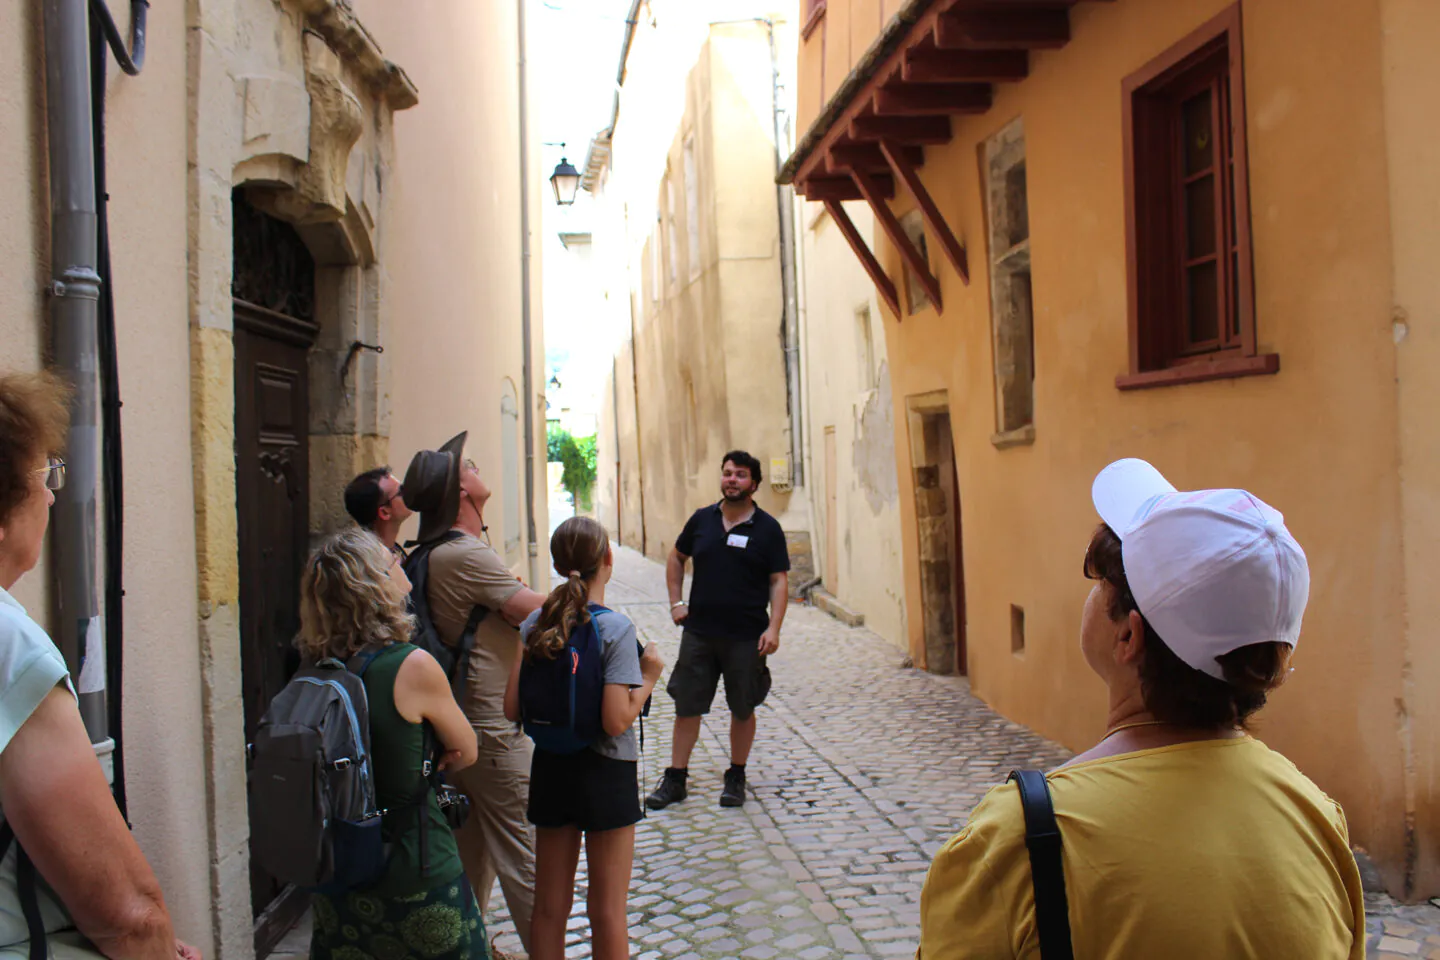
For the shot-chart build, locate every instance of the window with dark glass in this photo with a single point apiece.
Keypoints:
(1192, 312)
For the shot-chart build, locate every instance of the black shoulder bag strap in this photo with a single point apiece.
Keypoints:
(1047, 871)
(26, 889)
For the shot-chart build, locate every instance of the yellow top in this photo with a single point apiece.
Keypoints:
(1198, 851)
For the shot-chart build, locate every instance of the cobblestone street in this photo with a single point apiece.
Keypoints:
(861, 770)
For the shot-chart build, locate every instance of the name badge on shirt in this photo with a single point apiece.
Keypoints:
(737, 540)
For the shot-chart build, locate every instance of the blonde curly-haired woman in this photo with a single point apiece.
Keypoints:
(352, 597)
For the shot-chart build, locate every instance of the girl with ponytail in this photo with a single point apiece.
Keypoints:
(594, 793)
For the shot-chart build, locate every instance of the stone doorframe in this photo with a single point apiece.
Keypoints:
(928, 419)
(293, 103)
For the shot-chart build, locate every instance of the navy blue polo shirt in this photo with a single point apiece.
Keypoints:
(730, 594)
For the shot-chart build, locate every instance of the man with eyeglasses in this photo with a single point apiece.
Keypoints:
(377, 502)
(468, 586)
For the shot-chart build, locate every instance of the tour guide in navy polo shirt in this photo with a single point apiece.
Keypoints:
(741, 569)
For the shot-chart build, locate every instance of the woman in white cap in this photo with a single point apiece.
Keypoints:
(1181, 836)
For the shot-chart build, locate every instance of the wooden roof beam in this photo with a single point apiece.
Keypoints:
(867, 156)
(883, 284)
(844, 188)
(907, 130)
(930, 99)
(905, 173)
(1045, 27)
(968, 66)
(888, 222)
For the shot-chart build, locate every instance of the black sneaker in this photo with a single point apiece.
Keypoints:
(670, 790)
(734, 793)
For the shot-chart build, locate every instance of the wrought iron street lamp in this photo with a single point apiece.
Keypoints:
(566, 181)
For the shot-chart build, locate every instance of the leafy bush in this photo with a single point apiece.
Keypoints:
(578, 457)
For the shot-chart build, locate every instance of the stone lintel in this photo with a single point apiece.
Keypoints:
(337, 23)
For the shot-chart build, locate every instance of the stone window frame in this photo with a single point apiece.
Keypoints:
(1211, 57)
(916, 299)
(672, 272)
(1012, 310)
(692, 206)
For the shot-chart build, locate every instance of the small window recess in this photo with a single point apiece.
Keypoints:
(916, 299)
(1017, 630)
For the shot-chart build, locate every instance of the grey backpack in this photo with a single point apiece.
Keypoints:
(314, 820)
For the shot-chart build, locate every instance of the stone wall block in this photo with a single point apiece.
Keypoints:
(277, 118)
(230, 889)
(336, 120)
(212, 388)
(333, 462)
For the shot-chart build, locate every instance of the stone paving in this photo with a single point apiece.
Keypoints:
(862, 768)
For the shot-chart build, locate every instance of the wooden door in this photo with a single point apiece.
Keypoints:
(832, 553)
(273, 336)
(950, 478)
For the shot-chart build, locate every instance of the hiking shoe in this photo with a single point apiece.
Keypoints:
(734, 793)
(670, 790)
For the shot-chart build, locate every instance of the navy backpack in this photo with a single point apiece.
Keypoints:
(560, 699)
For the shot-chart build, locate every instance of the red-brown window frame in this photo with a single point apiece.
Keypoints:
(814, 13)
(1155, 223)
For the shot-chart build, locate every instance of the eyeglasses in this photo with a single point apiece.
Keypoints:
(399, 492)
(54, 471)
(470, 465)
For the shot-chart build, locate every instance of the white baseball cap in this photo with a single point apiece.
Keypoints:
(1212, 570)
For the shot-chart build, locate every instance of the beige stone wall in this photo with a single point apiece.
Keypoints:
(1341, 180)
(165, 774)
(848, 390)
(707, 351)
(293, 100)
(451, 278)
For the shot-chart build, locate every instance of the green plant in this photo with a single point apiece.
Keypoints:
(578, 458)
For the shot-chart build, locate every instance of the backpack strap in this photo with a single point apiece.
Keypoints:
(28, 892)
(1047, 871)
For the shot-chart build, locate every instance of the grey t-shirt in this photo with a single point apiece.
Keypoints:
(620, 660)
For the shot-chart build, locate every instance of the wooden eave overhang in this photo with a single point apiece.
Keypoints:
(936, 60)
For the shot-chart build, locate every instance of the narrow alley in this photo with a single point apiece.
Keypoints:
(861, 770)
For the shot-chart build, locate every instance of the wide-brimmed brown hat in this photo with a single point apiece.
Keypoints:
(432, 487)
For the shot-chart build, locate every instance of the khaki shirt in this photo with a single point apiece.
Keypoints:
(464, 574)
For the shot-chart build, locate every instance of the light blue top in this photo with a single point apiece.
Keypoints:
(620, 660)
(30, 667)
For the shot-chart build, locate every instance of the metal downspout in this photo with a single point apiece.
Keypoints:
(531, 544)
(74, 300)
(789, 315)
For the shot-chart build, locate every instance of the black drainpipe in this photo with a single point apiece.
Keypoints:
(102, 32)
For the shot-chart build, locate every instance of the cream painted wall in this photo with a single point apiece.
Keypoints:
(146, 141)
(452, 249)
(708, 353)
(1332, 153)
(845, 392)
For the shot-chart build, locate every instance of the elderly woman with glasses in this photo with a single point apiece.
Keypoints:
(97, 886)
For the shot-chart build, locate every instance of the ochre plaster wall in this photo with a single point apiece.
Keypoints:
(1409, 30)
(1321, 440)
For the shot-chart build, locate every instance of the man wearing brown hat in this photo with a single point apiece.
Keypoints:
(468, 580)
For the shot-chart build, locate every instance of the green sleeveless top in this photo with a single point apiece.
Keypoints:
(396, 757)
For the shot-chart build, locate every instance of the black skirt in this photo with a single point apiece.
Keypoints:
(584, 790)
